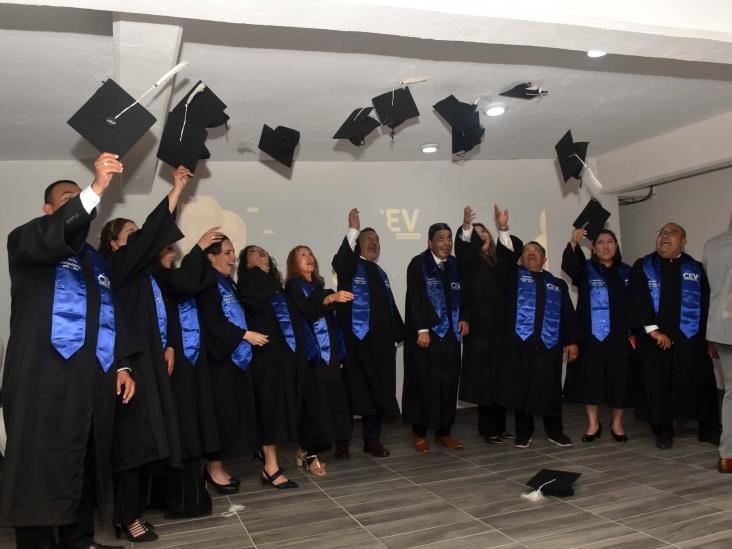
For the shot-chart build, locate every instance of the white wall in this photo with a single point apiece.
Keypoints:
(700, 204)
(311, 208)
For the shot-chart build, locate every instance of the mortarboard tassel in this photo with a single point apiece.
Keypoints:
(536, 495)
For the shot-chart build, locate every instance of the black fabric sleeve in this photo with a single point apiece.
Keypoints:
(311, 307)
(569, 329)
(418, 305)
(574, 263)
(345, 262)
(222, 337)
(255, 288)
(641, 307)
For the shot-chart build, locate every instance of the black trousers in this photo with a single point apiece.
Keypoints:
(130, 493)
(371, 426)
(491, 420)
(666, 430)
(78, 535)
(525, 424)
(421, 431)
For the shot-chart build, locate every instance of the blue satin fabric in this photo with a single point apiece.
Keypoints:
(242, 355)
(690, 314)
(361, 305)
(436, 293)
(320, 326)
(190, 329)
(160, 312)
(283, 317)
(600, 299)
(68, 315)
(526, 308)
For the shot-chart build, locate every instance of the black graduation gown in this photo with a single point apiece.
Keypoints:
(191, 383)
(602, 373)
(484, 288)
(51, 404)
(325, 413)
(232, 387)
(274, 368)
(371, 373)
(532, 374)
(431, 376)
(678, 382)
(146, 428)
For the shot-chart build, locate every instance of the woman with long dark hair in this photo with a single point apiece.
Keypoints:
(485, 275)
(182, 492)
(146, 429)
(326, 414)
(274, 367)
(602, 373)
(229, 345)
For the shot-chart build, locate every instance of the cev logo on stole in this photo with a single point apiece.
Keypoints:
(394, 219)
(694, 277)
(103, 281)
(552, 287)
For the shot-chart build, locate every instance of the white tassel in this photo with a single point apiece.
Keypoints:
(536, 495)
(410, 81)
(593, 184)
(167, 76)
(234, 508)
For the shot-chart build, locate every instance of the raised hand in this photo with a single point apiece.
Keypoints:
(105, 166)
(468, 218)
(212, 236)
(354, 221)
(181, 175)
(501, 217)
(577, 235)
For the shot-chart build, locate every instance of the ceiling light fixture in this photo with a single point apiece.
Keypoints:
(429, 148)
(495, 109)
(596, 53)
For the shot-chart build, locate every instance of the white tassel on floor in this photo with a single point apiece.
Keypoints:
(536, 495)
(234, 508)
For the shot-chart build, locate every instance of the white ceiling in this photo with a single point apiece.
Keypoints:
(309, 79)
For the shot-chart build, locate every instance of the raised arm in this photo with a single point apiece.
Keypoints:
(345, 261)
(574, 262)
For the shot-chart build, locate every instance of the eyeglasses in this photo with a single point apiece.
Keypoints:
(669, 232)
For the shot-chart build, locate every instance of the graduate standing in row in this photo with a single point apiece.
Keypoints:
(436, 320)
(542, 329)
(486, 272)
(670, 302)
(372, 327)
(60, 352)
(602, 374)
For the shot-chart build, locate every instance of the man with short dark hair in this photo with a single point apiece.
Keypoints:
(436, 320)
(669, 306)
(60, 370)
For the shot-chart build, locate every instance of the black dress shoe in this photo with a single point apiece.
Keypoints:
(223, 489)
(664, 443)
(269, 480)
(618, 438)
(376, 449)
(591, 438)
(493, 439)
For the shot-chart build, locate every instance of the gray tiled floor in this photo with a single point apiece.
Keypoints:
(629, 496)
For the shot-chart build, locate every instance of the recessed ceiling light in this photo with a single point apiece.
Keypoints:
(495, 110)
(596, 53)
(429, 148)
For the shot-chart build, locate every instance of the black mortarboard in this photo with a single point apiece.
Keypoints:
(525, 91)
(395, 107)
(464, 120)
(357, 126)
(567, 153)
(279, 143)
(182, 143)
(205, 109)
(592, 219)
(557, 483)
(111, 120)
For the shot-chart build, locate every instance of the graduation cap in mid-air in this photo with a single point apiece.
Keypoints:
(525, 91)
(112, 120)
(592, 218)
(553, 483)
(202, 107)
(395, 107)
(357, 126)
(464, 121)
(279, 143)
(571, 156)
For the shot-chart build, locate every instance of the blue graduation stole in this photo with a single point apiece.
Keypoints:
(600, 299)
(361, 304)
(320, 326)
(436, 293)
(690, 316)
(190, 329)
(312, 349)
(242, 355)
(68, 316)
(283, 317)
(160, 312)
(526, 307)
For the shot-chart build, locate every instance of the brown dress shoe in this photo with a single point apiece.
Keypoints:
(376, 449)
(451, 443)
(725, 465)
(420, 444)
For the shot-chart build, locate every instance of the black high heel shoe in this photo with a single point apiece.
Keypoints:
(591, 438)
(269, 479)
(618, 438)
(223, 489)
(139, 531)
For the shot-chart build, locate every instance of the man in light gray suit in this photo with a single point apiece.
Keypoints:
(718, 265)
